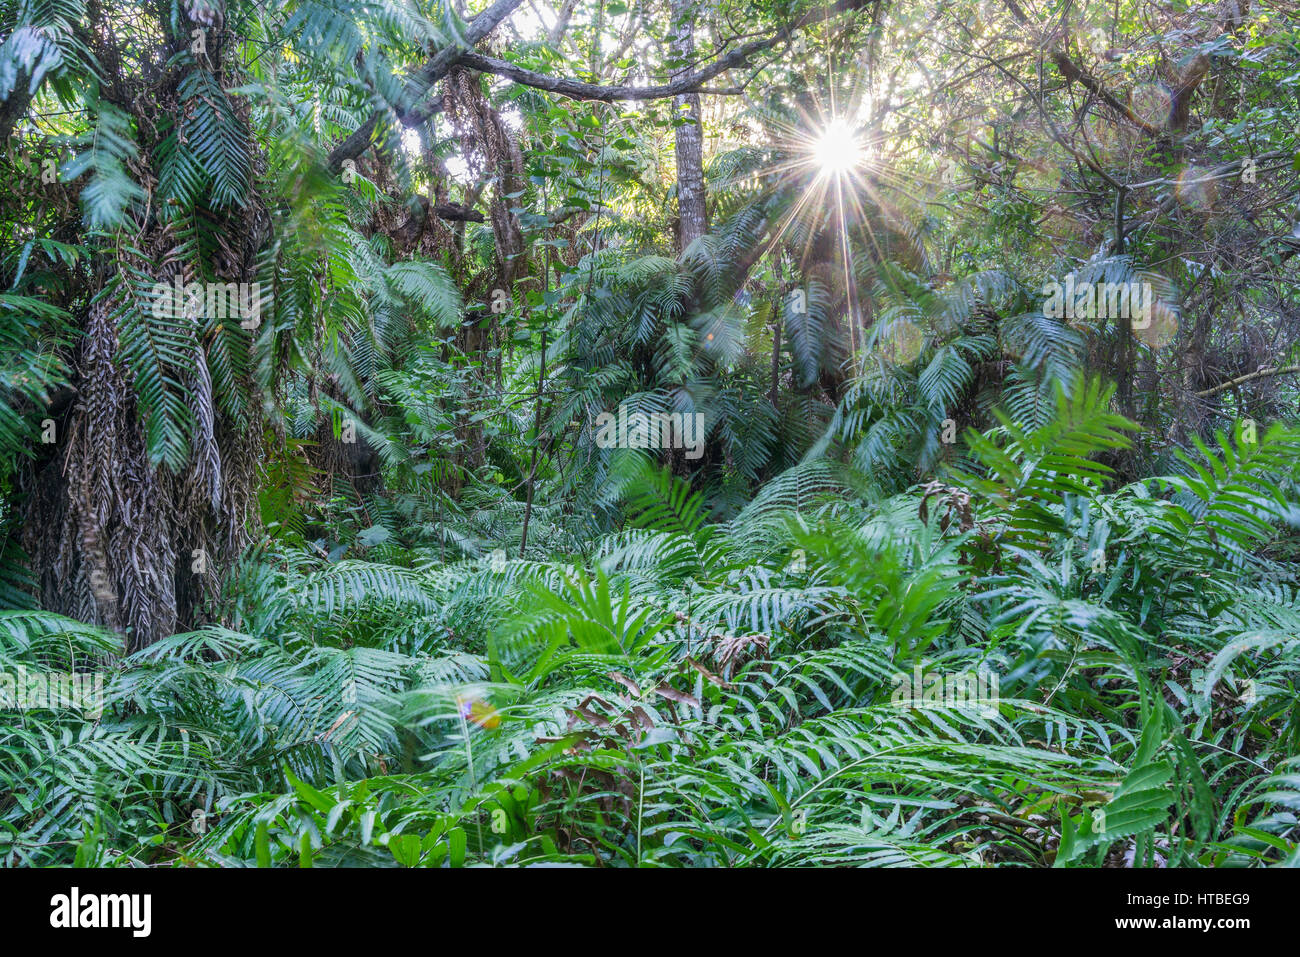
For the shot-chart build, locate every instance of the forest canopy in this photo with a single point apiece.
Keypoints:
(650, 433)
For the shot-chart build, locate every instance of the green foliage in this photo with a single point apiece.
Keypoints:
(929, 592)
(694, 696)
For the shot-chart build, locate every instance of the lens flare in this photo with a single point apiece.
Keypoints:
(838, 149)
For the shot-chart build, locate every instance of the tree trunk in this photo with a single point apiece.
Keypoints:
(692, 214)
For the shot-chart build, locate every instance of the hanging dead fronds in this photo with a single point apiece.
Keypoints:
(492, 152)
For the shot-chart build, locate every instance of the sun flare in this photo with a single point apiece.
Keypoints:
(838, 149)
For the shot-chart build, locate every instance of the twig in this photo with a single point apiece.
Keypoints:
(1257, 374)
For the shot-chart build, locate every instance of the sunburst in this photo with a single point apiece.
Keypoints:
(838, 149)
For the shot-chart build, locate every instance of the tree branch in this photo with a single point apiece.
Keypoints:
(439, 65)
(422, 81)
(691, 82)
(1076, 74)
(1257, 374)
(578, 90)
